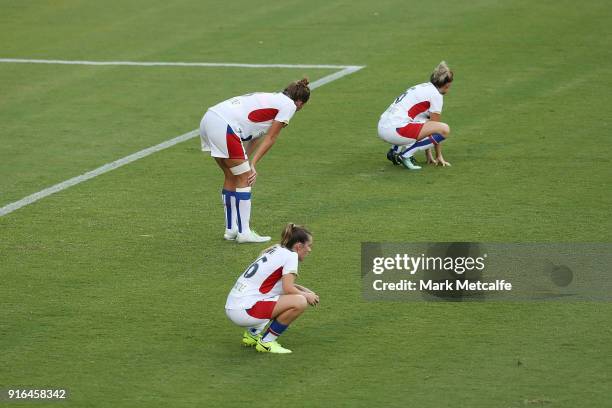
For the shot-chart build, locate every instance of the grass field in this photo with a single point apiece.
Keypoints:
(115, 288)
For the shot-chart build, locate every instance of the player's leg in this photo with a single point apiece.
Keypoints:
(240, 170)
(253, 332)
(287, 309)
(213, 134)
(228, 151)
(238, 165)
(402, 137)
(254, 325)
(392, 154)
(432, 127)
(430, 134)
(388, 133)
(228, 198)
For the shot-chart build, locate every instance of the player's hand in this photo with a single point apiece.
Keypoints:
(252, 176)
(442, 162)
(430, 159)
(312, 299)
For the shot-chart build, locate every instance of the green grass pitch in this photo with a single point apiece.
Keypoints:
(115, 288)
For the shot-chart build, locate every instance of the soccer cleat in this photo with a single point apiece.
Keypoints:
(230, 234)
(408, 162)
(250, 236)
(392, 156)
(248, 340)
(271, 347)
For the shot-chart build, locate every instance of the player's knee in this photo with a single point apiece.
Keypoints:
(240, 173)
(228, 174)
(301, 303)
(242, 179)
(241, 169)
(444, 129)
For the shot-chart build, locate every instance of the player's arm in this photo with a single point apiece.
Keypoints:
(252, 145)
(303, 288)
(430, 160)
(290, 288)
(439, 160)
(268, 140)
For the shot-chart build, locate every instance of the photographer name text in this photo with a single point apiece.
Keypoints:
(441, 286)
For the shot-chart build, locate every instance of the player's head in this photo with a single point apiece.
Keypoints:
(442, 77)
(298, 239)
(299, 92)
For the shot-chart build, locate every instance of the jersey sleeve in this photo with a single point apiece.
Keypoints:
(286, 111)
(291, 263)
(436, 103)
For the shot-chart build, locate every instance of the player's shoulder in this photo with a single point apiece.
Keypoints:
(282, 99)
(425, 86)
(285, 253)
(419, 89)
(279, 250)
(429, 90)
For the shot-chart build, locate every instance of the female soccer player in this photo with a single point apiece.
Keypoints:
(227, 127)
(412, 121)
(266, 292)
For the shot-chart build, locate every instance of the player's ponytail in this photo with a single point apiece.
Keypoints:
(293, 234)
(441, 75)
(298, 90)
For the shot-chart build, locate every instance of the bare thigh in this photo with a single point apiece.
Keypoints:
(431, 127)
(232, 181)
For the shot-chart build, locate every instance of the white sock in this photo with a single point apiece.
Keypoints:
(255, 330)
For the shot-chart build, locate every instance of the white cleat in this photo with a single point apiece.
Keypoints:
(230, 234)
(407, 163)
(250, 236)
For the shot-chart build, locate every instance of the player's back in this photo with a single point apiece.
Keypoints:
(262, 278)
(413, 102)
(251, 115)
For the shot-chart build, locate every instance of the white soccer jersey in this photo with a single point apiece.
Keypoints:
(414, 105)
(251, 115)
(262, 279)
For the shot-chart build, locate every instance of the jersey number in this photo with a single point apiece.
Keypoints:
(252, 270)
(402, 96)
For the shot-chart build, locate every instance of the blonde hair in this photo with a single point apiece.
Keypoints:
(441, 75)
(298, 90)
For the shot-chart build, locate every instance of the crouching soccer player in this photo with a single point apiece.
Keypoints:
(265, 299)
(412, 122)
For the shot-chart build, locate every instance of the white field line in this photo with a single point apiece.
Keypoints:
(9, 208)
(170, 64)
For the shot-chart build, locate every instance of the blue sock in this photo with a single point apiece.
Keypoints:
(423, 144)
(226, 197)
(275, 330)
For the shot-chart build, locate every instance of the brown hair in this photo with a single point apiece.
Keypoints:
(293, 234)
(441, 75)
(298, 90)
